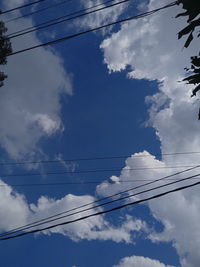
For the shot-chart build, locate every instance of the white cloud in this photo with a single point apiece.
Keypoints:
(13, 204)
(30, 99)
(101, 17)
(14, 210)
(47, 125)
(138, 261)
(151, 50)
(128, 174)
(93, 228)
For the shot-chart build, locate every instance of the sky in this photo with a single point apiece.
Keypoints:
(113, 93)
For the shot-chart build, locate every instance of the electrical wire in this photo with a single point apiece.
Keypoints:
(11, 36)
(102, 212)
(93, 29)
(83, 183)
(93, 171)
(96, 158)
(99, 200)
(38, 11)
(106, 203)
(19, 7)
(59, 18)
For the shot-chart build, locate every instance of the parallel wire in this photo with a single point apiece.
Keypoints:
(106, 203)
(84, 183)
(19, 7)
(96, 201)
(36, 27)
(93, 171)
(11, 36)
(102, 212)
(96, 158)
(38, 11)
(93, 29)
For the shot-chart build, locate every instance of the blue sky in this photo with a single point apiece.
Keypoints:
(109, 93)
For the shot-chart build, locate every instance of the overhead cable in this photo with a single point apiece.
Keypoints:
(97, 158)
(101, 205)
(38, 11)
(59, 18)
(92, 30)
(84, 182)
(100, 200)
(94, 171)
(22, 6)
(102, 212)
(36, 28)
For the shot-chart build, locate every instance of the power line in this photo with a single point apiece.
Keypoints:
(93, 29)
(93, 171)
(59, 18)
(19, 7)
(38, 11)
(99, 200)
(96, 158)
(13, 35)
(103, 204)
(103, 212)
(83, 183)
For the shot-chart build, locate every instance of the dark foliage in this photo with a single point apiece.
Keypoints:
(192, 8)
(5, 49)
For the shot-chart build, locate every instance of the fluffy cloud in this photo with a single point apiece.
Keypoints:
(93, 228)
(100, 17)
(30, 99)
(12, 204)
(178, 212)
(14, 210)
(137, 261)
(128, 174)
(149, 47)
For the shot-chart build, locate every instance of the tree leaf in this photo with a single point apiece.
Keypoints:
(189, 40)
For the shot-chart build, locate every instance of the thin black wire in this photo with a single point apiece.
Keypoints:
(71, 18)
(95, 158)
(83, 183)
(99, 200)
(93, 171)
(103, 204)
(19, 7)
(38, 11)
(93, 29)
(57, 19)
(103, 212)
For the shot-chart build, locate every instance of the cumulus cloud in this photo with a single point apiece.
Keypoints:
(13, 204)
(30, 99)
(14, 210)
(149, 47)
(178, 212)
(100, 17)
(138, 261)
(129, 174)
(93, 228)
